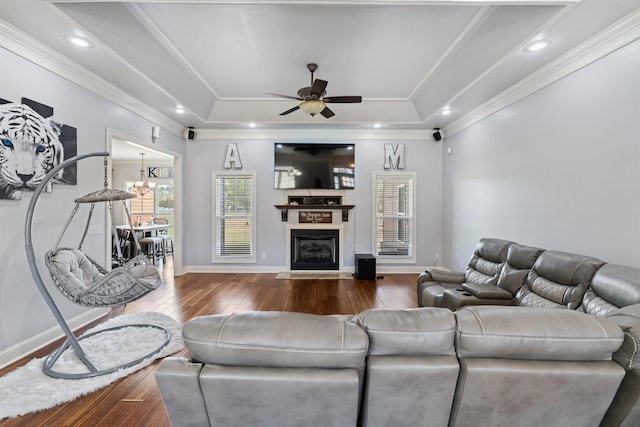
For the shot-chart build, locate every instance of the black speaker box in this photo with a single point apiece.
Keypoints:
(365, 266)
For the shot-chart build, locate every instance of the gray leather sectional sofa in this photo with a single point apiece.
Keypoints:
(478, 366)
(505, 273)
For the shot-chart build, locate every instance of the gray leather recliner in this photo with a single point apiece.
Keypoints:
(490, 365)
(531, 367)
(484, 266)
(412, 367)
(615, 293)
(558, 280)
(268, 369)
(520, 260)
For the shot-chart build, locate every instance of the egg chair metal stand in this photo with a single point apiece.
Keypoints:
(85, 282)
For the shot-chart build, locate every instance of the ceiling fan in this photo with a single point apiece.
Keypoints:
(313, 99)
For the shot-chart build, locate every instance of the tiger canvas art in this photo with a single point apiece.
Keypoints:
(30, 146)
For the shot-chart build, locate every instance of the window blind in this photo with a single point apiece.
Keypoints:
(394, 221)
(234, 215)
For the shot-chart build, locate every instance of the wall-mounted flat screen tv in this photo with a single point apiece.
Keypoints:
(310, 166)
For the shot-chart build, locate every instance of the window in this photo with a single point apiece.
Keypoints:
(394, 224)
(234, 217)
(154, 204)
(142, 208)
(164, 199)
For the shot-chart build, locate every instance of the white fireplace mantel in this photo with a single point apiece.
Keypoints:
(338, 227)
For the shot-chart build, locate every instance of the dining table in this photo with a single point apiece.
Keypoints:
(145, 229)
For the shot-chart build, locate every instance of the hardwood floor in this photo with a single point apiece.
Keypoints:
(135, 400)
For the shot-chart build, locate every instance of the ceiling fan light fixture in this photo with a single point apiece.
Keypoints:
(312, 106)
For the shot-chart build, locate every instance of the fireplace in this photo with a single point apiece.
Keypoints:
(315, 249)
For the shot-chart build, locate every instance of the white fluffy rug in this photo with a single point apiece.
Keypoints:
(27, 389)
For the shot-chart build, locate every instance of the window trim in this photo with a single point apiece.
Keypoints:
(409, 175)
(229, 259)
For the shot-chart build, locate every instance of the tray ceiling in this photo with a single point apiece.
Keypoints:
(408, 60)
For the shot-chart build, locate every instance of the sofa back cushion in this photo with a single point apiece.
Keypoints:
(558, 280)
(520, 259)
(528, 367)
(412, 369)
(535, 334)
(487, 260)
(418, 331)
(277, 339)
(612, 287)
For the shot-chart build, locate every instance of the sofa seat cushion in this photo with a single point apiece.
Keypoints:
(424, 331)
(535, 334)
(277, 339)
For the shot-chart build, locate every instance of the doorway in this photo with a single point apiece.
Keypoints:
(162, 168)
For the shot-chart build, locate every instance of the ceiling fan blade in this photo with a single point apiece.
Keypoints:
(297, 98)
(318, 87)
(343, 99)
(327, 112)
(291, 110)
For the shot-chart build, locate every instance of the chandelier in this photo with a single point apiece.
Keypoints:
(142, 185)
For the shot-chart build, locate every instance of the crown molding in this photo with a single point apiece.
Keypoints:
(315, 134)
(32, 50)
(616, 36)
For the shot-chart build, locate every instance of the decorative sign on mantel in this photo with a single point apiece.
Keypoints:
(313, 217)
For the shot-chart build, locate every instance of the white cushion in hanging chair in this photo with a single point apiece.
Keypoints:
(85, 282)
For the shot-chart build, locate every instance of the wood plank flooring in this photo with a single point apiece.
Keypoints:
(136, 401)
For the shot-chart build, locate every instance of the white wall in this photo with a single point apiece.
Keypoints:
(560, 169)
(206, 155)
(23, 312)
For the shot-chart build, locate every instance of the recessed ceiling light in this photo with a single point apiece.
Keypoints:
(537, 45)
(180, 109)
(377, 125)
(252, 125)
(445, 111)
(78, 41)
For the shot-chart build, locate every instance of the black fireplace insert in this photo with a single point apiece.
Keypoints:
(315, 249)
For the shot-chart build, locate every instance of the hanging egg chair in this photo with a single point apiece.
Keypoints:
(84, 281)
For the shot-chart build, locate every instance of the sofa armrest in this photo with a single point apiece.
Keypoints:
(179, 383)
(437, 275)
(486, 291)
(628, 318)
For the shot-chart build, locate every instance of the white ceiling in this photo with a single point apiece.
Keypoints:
(219, 59)
(127, 150)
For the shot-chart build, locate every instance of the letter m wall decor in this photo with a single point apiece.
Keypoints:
(394, 158)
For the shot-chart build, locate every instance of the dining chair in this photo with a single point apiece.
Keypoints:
(168, 240)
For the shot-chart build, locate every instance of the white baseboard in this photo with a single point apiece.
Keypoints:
(23, 348)
(400, 268)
